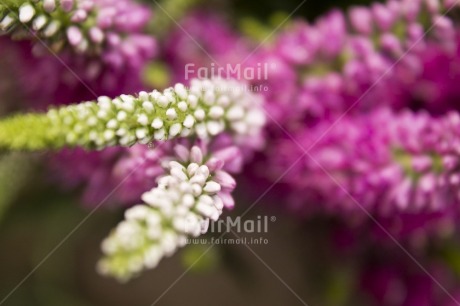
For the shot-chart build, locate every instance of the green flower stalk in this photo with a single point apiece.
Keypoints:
(27, 132)
(205, 109)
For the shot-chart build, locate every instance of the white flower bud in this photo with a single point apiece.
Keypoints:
(49, 5)
(52, 28)
(192, 101)
(188, 200)
(179, 173)
(185, 132)
(214, 127)
(122, 115)
(192, 168)
(157, 123)
(162, 101)
(159, 134)
(206, 210)
(121, 132)
(171, 114)
(216, 112)
(175, 129)
(182, 106)
(180, 91)
(6, 22)
(39, 22)
(235, 113)
(152, 257)
(197, 190)
(212, 187)
(189, 121)
(201, 131)
(143, 119)
(26, 13)
(199, 114)
(148, 106)
(109, 135)
(104, 102)
(141, 133)
(138, 212)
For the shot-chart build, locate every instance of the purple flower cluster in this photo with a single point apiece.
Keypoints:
(112, 66)
(384, 162)
(126, 43)
(362, 59)
(367, 102)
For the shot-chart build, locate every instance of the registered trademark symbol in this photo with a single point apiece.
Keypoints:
(273, 218)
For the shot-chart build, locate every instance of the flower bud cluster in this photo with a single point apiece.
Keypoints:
(206, 109)
(193, 192)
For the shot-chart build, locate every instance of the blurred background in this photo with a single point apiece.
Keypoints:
(50, 241)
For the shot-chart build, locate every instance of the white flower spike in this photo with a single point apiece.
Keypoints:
(181, 206)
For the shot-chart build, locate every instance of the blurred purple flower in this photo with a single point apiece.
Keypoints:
(385, 163)
(203, 40)
(115, 68)
(361, 60)
(393, 88)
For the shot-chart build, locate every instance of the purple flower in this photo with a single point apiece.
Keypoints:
(383, 162)
(300, 44)
(373, 56)
(209, 43)
(361, 20)
(380, 68)
(121, 49)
